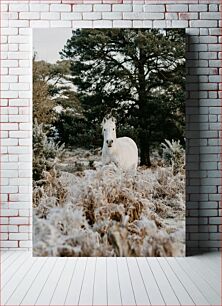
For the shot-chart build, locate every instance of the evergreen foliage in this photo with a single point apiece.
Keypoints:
(137, 75)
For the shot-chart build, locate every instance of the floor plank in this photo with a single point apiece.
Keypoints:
(62, 288)
(47, 292)
(113, 285)
(38, 284)
(165, 287)
(14, 269)
(110, 281)
(100, 284)
(182, 295)
(10, 261)
(75, 286)
(18, 294)
(86, 294)
(126, 289)
(17, 278)
(211, 260)
(153, 290)
(214, 280)
(139, 288)
(4, 255)
(209, 293)
(190, 286)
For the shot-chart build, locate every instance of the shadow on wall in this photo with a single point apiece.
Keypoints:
(194, 196)
(192, 149)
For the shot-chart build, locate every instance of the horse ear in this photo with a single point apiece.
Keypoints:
(104, 121)
(113, 119)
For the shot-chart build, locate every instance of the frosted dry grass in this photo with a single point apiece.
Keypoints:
(106, 212)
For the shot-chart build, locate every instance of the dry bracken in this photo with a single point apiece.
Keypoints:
(106, 212)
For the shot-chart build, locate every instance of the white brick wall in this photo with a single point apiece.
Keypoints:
(201, 20)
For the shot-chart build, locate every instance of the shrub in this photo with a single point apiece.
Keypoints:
(174, 155)
(45, 152)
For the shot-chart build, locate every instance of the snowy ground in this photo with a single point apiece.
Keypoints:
(85, 209)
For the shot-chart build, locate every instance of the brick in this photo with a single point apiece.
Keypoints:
(25, 244)
(8, 228)
(215, 220)
(18, 150)
(9, 31)
(19, 102)
(24, 229)
(9, 142)
(24, 47)
(24, 212)
(71, 16)
(82, 24)
(18, 23)
(37, 7)
(137, 24)
(102, 7)
(177, 8)
(213, 7)
(215, 236)
(134, 15)
(60, 24)
(188, 16)
(162, 23)
(51, 16)
(215, 31)
(18, 236)
(137, 7)
(179, 23)
(39, 24)
(171, 16)
(121, 7)
(154, 8)
(200, 236)
(9, 63)
(13, 47)
(19, 118)
(25, 31)
(122, 23)
(8, 212)
(92, 15)
(111, 15)
(82, 8)
(4, 7)
(208, 39)
(199, 7)
(9, 244)
(60, 8)
(22, 7)
(19, 220)
(208, 16)
(29, 15)
(9, 126)
(204, 31)
(214, 47)
(102, 23)
(203, 23)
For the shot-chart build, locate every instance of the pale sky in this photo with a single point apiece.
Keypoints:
(48, 42)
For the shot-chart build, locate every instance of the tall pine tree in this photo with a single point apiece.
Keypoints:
(136, 73)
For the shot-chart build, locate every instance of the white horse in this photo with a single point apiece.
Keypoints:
(122, 151)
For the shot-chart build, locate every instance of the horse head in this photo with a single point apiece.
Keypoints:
(109, 131)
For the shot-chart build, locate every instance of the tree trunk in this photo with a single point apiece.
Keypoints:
(144, 151)
(144, 134)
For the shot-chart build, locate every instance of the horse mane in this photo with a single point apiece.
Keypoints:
(108, 118)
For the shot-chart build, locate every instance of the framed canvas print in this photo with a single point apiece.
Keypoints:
(109, 142)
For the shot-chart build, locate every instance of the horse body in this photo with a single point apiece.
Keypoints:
(122, 151)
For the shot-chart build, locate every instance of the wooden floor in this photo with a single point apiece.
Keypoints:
(26, 280)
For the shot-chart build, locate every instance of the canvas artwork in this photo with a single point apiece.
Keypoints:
(109, 142)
